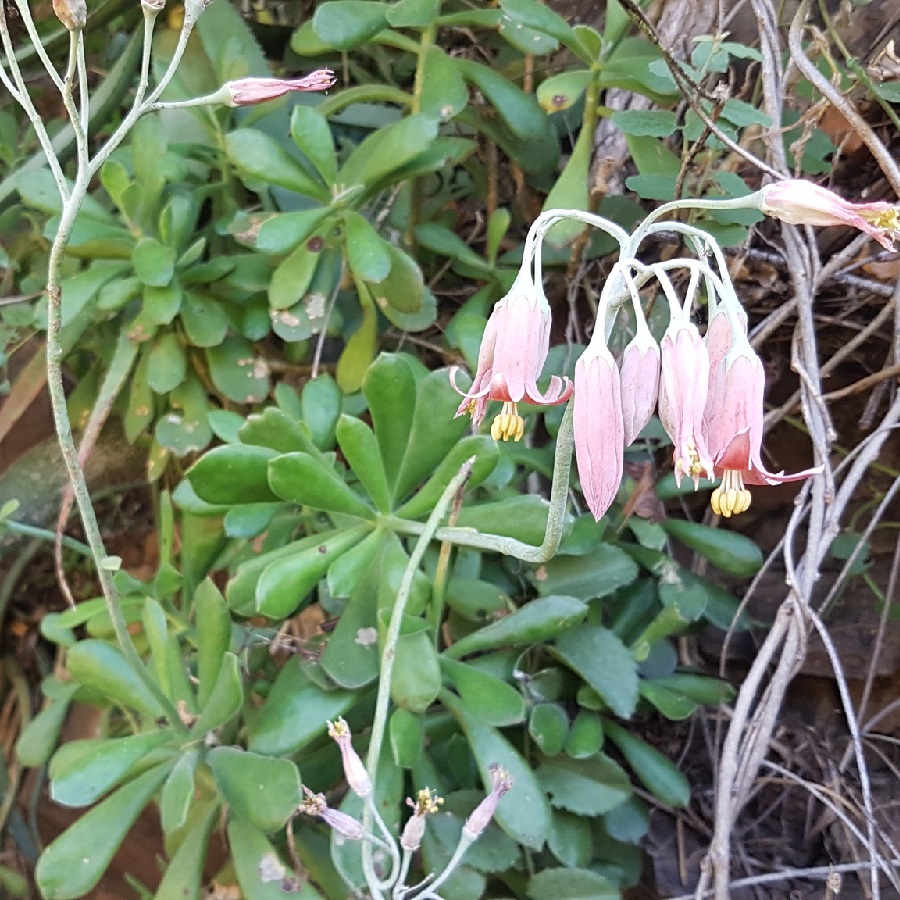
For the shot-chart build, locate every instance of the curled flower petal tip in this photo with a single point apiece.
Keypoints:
(801, 202)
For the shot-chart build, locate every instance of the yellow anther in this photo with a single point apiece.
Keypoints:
(509, 424)
(426, 802)
(731, 498)
(888, 219)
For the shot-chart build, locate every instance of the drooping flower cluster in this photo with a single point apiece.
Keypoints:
(707, 389)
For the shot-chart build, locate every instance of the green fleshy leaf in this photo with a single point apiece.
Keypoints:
(284, 584)
(494, 701)
(237, 371)
(261, 158)
(444, 93)
(295, 713)
(348, 24)
(537, 621)
(234, 473)
(604, 662)
(301, 479)
(548, 726)
(598, 574)
(360, 449)
(225, 699)
(523, 813)
(390, 389)
(571, 884)
(81, 772)
(262, 790)
(389, 148)
(658, 774)
(154, 263)
(312, 134)
(73, 863)
(586, 787)
(102, 669)
(368, 255)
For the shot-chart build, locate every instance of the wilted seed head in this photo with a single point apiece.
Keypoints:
(153, 7)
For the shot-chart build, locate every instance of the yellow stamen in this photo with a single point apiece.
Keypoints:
(731, 497)
(888, 220)
(426, 802)
(509, 424)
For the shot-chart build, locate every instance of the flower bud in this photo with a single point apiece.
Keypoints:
(640, 383)
(249, 91)
(72, 13)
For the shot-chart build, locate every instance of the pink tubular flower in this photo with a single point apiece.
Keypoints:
(483, 813)
(599, 429)
(354, 770)
(683, 389)
(248, 91)
(512, 355)
(734, 419)
(640, 383)
(800, 202)
(344, 825)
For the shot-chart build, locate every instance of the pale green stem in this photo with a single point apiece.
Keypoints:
(72, 202)
(389, 843)
(383, 696)
(23, 98)
(466, 839)
(400, 887)
(44, 534)
(84, 98)
(144, 80)
(495, 543)
(34, 37)
(750, 201)
(75, 117)
(611, 228)
(70, 453)
(136, 110)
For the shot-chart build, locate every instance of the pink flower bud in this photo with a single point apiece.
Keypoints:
(249, 91)
(598, 428)
(640, 383)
